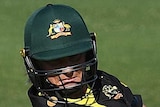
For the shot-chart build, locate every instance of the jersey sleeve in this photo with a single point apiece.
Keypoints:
(113, 93)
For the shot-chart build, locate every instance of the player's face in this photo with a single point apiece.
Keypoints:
(66, 78)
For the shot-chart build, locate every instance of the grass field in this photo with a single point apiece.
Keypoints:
(128, 38)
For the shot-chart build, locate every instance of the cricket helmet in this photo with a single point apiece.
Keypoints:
(53, 32)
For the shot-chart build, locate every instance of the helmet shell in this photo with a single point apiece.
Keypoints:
(56, 31)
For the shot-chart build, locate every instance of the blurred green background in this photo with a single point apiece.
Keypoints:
(128, 38)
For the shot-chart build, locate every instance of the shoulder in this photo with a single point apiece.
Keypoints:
(109, 87)
(104, 73)
(36, 100)
(106, 76)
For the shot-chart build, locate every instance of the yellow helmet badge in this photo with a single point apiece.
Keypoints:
(58, 28)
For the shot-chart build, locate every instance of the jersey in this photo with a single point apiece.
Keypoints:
(108, 91)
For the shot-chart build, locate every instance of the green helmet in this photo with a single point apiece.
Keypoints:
(53, 32)
(56, 31)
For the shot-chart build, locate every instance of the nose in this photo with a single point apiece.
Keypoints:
(68, 72)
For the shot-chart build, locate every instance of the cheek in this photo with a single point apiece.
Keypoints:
(54, 80)
(78, 74)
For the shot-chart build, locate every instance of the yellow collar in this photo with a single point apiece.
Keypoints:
(88, 100)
